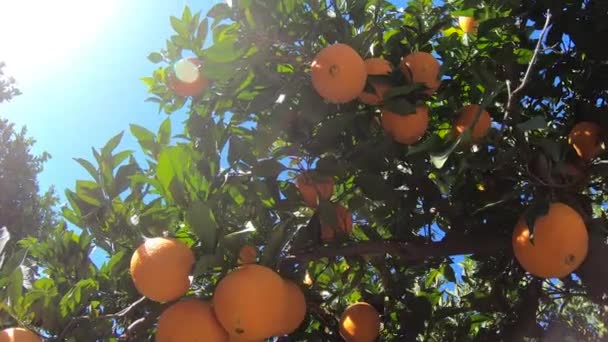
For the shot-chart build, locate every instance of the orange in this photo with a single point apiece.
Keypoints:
(422, 67)
(249, 301)
(465, 118)
(296, 308)
(467, 24)
(559, 246)
(247, 254)
(160, 268)
(18, 335)
(360, 322)
(190, 320)
(314, 187)
(585, 139)
(406, 129)
(186, 79)
(376, 66)
(338, 73)
(344, 221)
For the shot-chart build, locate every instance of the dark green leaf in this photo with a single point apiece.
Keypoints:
(224, 51)
(400, 105)
(118, 158)
(89, 167)
(374, 186)
(203, 225)
(15, 286)
(401, 91)
(538, 209)
(275, 243)
(112, 144)
(269, 168)
(327, 213)
(155, 57)
(537, 122)
(164, 132)
(180, 27)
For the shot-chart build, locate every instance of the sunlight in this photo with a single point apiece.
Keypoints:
(42, 36)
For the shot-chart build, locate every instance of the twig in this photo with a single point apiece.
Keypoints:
(514, 95)
(122, 313)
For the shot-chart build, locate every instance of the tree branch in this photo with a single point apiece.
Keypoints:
(514, 95)
(407, 251)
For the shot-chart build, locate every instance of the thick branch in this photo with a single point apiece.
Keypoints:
(408, 251)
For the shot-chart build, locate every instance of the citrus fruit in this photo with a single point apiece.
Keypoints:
(376, 66)
(467, 24)
(338, 73)
(360, 322)
(249, 301)
(313, 187)
(186, 78)
(406, 129)
(296, 308)
(422, 67)
(190, 320)
(558, 245)
(585, 139)
(160, 268)
(18, 335)
(465, 118)
(247, 254)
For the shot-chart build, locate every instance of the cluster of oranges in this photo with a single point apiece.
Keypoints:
(339, 75)
(250, 304)
(314, 188)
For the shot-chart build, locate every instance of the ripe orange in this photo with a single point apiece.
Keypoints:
(338, 73)
(18, 335)
(585, 139)
(376, 66)
(559, 246)
(296, 308)
(467, 24)
(160, 268)
(190, 320)
(344, 221)
(406, 129)
(314, 187)
(422, 67)
(186, 78)
(249, 301)
(247, 254)
(360, 322)
(466, 117)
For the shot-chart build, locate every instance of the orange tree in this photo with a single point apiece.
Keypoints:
(440, 195)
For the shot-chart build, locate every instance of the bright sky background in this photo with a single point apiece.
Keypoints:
(78, 64)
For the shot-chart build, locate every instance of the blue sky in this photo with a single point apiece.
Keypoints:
(79, 74)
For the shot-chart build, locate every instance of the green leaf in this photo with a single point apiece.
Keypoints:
(275, 243)
(400, 105)
(180, 27)
(269, 168)
(401, 91)
(237, 238)
(164, 132)
(112, 144)
(186, 15)
(155, 57)
(123, 175)
(219, 11)
(374, 186)
(89, 192)
(207, 262)
(89, 167)
(118, 158)
(224, 52)
(537, 209)
(201, 33)
(524, 56)
(202, 222)
(15, 286)
(537, 122)
(175, 163)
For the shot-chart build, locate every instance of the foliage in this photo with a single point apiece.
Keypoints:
(226, 178)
